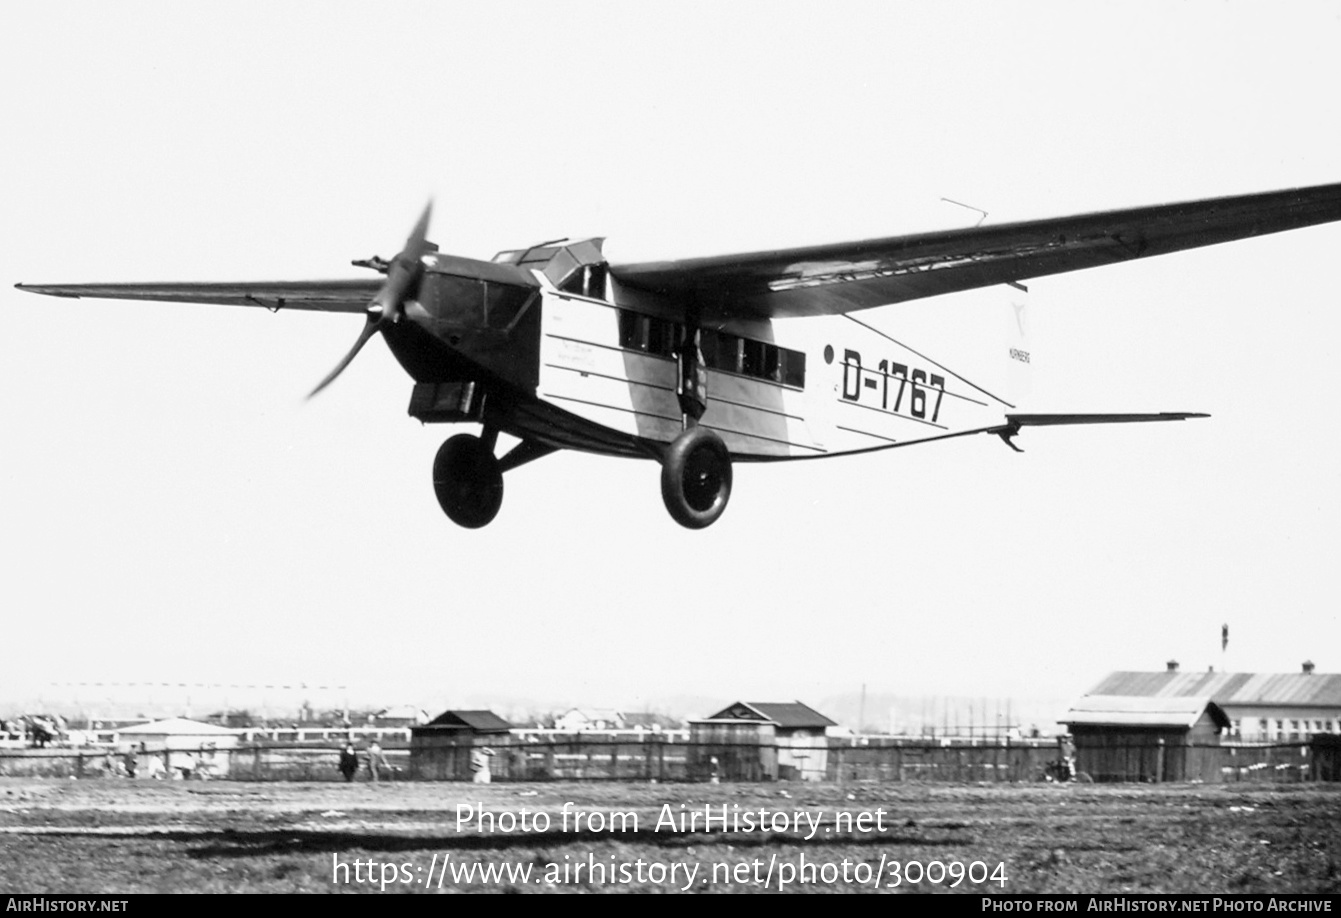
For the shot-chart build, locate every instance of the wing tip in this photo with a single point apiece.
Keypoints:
(46, 290)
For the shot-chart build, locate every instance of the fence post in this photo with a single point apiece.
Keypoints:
(1159, 760)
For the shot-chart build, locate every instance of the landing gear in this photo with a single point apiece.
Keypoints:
(696, 478)
(468, 481)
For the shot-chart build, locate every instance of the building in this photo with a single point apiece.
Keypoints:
(1261, 707)
(1135, 738)
(184, 747)
(441, 749)
(579, 720)
(650, 721)
(761, 741)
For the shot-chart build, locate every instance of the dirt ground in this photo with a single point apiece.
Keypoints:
(110, 835)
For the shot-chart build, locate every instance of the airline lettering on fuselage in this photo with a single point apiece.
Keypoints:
(895, 387)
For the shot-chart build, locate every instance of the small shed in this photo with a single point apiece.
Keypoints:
(184, 747)
(1126, 738)
(761, 741)
(440, 750)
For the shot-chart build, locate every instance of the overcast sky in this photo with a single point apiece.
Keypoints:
(172, 510)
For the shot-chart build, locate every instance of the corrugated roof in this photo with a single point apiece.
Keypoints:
(788, 715)
(1142, 711)
(1274, 689)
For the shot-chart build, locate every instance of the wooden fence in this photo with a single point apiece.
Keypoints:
(578, 758)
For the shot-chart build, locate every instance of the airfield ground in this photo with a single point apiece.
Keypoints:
(150, 836)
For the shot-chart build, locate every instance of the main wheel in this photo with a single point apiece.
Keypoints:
(696, 478)
(467, 481)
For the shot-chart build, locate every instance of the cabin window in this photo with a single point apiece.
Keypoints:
(721, 351)
(793, 368)
(753, 359)
(648, 334)
(633, 330)
(724, 349)
(586, 280)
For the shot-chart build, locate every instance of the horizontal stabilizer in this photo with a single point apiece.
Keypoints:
(1054, 420)
(1015, 421)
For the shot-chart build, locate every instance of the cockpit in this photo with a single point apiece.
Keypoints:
(573, 267)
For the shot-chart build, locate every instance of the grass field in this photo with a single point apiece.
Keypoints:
(143, 836)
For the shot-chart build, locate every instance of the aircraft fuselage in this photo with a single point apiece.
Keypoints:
(582, 370)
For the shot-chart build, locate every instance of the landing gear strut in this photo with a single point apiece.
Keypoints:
(468, 480)
(696, 469)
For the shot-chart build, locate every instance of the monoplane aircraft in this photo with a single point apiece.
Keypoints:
(703, 362)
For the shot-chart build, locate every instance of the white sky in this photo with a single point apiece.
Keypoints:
(172, 510)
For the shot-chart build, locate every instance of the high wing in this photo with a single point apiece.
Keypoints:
(838, 278)
(323, 296)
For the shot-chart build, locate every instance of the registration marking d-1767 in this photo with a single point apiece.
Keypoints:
(908, 397)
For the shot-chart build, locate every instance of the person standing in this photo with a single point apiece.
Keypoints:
(349, 762)
(376, 761)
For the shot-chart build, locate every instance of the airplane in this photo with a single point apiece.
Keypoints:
(700, 363)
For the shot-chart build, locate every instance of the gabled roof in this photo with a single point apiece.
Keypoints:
(1138, 711)
(1229, 689)
(479, 721)
(788, 715)
(593, 715)
(178, 726)
(650, 719)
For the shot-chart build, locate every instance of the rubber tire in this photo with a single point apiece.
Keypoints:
(467, 481)
(696, 478)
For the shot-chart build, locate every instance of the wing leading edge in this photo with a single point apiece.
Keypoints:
(322, 296)
(839, 278)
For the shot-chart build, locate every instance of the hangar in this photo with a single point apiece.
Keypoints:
(1261, 707)
(1126, 738)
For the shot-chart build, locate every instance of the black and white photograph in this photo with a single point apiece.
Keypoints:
(460, 447)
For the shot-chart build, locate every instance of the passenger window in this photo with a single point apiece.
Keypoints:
(753, 363)
(632, 330)
(661, 338)
(794, 369)
(725, 353)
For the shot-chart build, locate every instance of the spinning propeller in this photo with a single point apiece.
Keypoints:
(388, 305)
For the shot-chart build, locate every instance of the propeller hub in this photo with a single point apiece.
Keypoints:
(388, 304)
